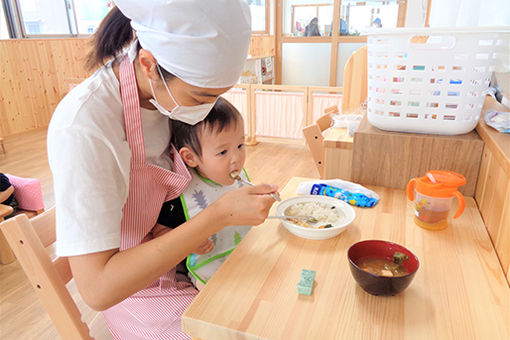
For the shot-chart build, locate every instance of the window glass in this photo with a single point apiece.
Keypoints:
(258, 14)
(306, 64)
(89, 14)
(44, 17)
(4, 31)
(356, 16)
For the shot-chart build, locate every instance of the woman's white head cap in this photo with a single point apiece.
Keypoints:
(203, 42)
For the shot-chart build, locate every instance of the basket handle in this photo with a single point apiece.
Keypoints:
(440, 42)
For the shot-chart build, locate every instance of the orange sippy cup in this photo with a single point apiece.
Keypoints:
(433, 195)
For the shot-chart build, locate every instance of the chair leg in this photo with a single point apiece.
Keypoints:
(6, 254)
(2, 144)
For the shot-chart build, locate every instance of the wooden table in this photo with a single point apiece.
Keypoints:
(337, 153)
(459, 291)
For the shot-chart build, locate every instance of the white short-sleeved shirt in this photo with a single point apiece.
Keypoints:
(89, 157)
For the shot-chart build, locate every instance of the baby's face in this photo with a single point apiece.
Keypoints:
(222, 153)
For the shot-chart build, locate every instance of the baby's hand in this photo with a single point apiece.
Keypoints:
(205, 247)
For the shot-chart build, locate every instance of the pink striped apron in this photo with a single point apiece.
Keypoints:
(154, 312)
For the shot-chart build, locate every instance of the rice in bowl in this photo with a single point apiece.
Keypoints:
(326, 214)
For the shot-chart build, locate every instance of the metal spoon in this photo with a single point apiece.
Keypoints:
(308, 219)
(235, 176)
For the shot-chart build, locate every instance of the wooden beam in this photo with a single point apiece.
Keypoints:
(427, 17)
(335, 33)
(402, 12)
(278, 41)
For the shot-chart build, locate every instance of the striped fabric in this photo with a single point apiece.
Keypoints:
(154, 312)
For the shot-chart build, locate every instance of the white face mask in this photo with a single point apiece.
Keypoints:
(187, 114)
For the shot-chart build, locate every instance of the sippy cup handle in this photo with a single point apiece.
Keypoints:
(461, 206)
(410, 189)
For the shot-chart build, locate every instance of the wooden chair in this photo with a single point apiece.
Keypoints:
(28, 193)
(28, 239)
(314, 139)
(355, 81)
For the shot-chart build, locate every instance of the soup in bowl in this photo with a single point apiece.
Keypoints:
(382, 267)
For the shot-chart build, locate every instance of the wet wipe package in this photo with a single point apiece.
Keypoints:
(352, 193)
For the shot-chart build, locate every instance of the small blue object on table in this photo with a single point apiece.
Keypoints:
(305, 284)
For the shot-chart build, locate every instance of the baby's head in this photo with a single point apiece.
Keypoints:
(215, 146)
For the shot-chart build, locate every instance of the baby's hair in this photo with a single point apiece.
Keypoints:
(222, 115)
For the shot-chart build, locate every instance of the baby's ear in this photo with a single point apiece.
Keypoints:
(189, 157)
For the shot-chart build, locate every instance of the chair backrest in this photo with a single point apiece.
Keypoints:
(355, 81)
(28, 239)
(314, 140)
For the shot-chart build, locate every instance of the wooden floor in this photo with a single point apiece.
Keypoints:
(21, 314)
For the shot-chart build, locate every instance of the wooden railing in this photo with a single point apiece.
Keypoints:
(280, 112)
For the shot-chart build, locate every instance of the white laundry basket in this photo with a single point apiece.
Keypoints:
(431, 80)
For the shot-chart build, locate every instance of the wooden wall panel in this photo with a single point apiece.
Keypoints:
(493, 199)
(32, 72)
(35, 74)
(262, 46)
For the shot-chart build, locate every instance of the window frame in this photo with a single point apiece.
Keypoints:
(267, 19)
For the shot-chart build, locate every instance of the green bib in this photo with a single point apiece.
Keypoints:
(196, 197)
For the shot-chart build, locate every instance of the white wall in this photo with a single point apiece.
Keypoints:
(461, 13)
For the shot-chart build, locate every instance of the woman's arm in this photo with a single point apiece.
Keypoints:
(6, 193)
(106, 278)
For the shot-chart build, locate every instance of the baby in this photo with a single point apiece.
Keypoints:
(213, 149)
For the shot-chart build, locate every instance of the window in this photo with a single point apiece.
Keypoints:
(4, 30)
(56, 17)
(259, 15)
(46, 17)
(89, 14)
(82, 17)
(356, 16)
(311, 20)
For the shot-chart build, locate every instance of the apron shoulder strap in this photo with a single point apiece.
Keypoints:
(131, 111)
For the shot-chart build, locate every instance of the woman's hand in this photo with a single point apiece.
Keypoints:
(245, 206)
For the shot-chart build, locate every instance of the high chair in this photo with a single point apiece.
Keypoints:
(354, 93)
(28, 239)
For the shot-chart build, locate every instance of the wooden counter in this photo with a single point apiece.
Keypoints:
(493, 188)
(391, 159)
(459, 291)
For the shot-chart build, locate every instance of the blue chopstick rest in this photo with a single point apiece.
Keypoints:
(356, 199)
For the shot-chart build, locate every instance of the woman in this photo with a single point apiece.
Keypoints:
(113, 167)
(312, 29)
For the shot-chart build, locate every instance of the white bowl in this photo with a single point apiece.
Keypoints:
(313, 233)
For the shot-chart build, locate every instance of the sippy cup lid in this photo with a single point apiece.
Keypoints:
(440, 183)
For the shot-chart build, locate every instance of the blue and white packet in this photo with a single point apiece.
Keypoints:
(351, 193)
